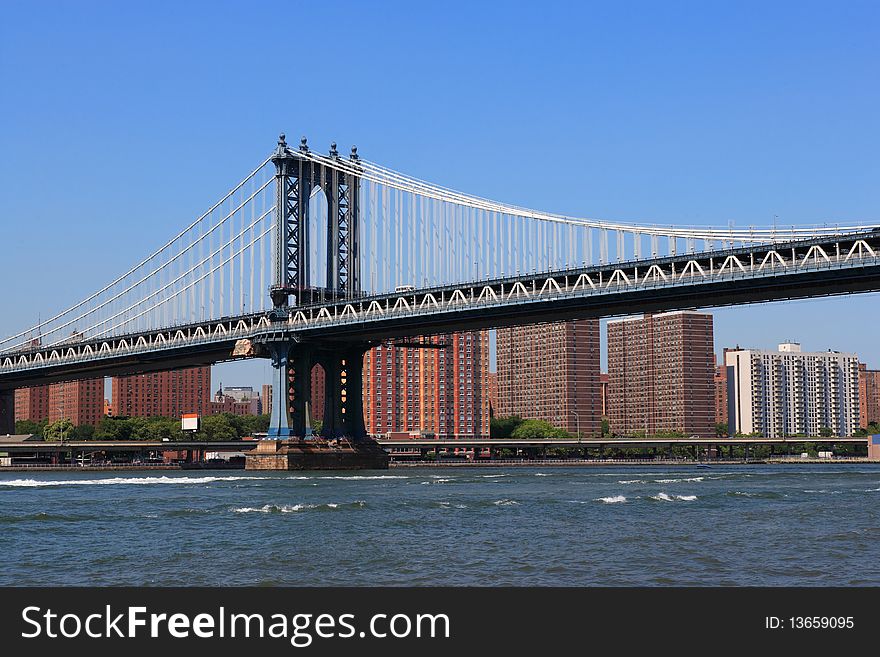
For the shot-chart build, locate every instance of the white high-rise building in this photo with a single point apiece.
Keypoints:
(789, 392)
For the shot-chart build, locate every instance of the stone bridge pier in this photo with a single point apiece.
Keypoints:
(343, 442)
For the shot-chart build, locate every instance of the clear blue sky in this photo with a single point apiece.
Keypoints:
(121, 121)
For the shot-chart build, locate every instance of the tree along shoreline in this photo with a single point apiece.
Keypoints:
(220, 427)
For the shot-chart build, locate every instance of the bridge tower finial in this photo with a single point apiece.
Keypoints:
(303, 145)
(333, 151)
(354, 153)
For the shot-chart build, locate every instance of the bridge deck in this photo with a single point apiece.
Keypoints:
(807, 268)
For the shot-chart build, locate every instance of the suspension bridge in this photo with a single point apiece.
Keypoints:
(314, 258)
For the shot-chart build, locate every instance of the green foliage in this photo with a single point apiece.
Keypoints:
(164, 427)
(217, 427)
(810, 448)
(606, 427)
(873, 428)
(850, 449)
(721, 429)
(82, 432)
(59, 430)
(112, 428)
(503, 427)
(668, 434)
(260, 423)
(29, 427)
(534, 429)
(825, 432)
(213, 427)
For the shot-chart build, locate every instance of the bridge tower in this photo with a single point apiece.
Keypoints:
(296, 175)
(298, 172)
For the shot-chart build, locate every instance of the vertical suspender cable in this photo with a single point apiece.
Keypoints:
(241, 255)
(221, 283)
(388, 245)
(423, 235)
(438, 250)
(250, 299)
(588, 254)
(262, 256)
(399, 226)
(374, 251)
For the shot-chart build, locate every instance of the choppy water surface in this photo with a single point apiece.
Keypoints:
(733, 525)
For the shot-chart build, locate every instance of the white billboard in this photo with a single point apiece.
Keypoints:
(189, 422)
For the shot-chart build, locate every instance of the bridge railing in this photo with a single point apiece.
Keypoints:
(548, 286)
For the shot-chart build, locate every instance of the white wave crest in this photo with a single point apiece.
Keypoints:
(678, 481)
(665, 497)
(362, 477)
(505, 503)
(294, 508)
(274, 508)
(614, 499)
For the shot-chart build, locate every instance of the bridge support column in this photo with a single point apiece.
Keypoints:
(291, 390)
(343, 393)
(7, 412)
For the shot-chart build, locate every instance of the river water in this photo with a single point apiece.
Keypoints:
(590, 525)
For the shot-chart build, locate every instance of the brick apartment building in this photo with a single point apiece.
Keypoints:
(603, 387)
(869, 396)
(32, 404)
(720, 380)
(81, 402)
(162, 394)
(439, 391)
(551, 372)
(661, 372)
(493, 393)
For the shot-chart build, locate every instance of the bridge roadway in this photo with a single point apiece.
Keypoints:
(805, 268)
(49, 446)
